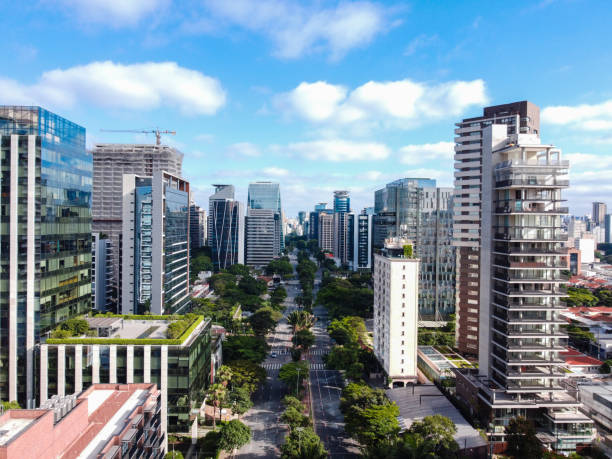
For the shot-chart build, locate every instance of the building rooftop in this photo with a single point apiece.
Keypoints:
(419, 401)
(12, 428)
(130, 328)
(574, 357)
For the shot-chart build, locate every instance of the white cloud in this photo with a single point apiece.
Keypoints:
(588, 160)
(113, 12)
(371, 176)
(416, 154)
(297, 28)
(275, 172)
(339, 150)
(596, 117)
(244, 149)
(404, 102)
(419, 42)
(144, 86)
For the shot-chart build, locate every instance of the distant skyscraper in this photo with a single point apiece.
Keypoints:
(262, 231)
(520, 117)
(608, 228)
(301, 217)
(225, 228)
(155, 244)
(102, 282)
(110, 162)
(313, 220)
(266, 195)
(198, 226)
(415, 209)
(599, 213)
(326, 231)
(342, 201)
(362, 241)
(45, 254)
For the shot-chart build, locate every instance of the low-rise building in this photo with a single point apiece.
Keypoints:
(579, 364)
(597, 401)
(129, 350)
(105, 421)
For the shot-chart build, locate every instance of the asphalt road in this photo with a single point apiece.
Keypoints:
(268, 435)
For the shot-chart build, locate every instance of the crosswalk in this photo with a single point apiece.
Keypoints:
(318, 352)
(277, 366)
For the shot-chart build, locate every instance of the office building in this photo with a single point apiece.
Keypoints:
(266, 195)
(599, 213)
(102, 282)
(105, 421)
(415, 209)
(197, 226)
(608, 229)
(344, 224)
(362, 241)
(110, 162)
(128, 351)
(586, 245)
(520, 117)
(262, 231)
(326, 231)
(313, 220)
(155, 244)
(396, 286)
(301, 217)
(342, 201)
(521, 287)
(225, 228)
(45, 249)
(573, 261)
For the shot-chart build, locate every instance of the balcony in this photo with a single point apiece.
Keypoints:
(506, 263)
(519, 249)
(531, 277)
(531, 183)
(519, 209)
(533, 163)
(531, 234)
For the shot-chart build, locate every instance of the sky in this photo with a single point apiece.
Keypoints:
(321, 95)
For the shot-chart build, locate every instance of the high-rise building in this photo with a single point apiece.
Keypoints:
(45, 249)
(197, 226)
(520, 117)
(262, 231)
(313, 220)
(599, 213)
(362, 241)
(415, 209)
(396, 287)
(301, 217)
(225, 228)
(344, 223)
(342, 201)
(155, 244)
(521, 287)
(102, 282)
(266, 195)
(608, 229)
(110, 162)
(326, 231)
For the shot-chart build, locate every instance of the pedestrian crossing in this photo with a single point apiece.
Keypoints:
(277, 366)
(318, 352)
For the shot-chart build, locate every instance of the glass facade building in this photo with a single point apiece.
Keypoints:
(415, 209)
(266, 195)
(225, 228)
(45, 236)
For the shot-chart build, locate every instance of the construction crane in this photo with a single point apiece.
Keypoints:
(157, 132)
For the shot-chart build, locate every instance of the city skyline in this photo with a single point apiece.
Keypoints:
(314, 111)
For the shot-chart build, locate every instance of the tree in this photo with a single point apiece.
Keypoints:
(246, 374)
(374, 425)
(341, 298)
(295, 418)
(221, 282)
(240, 400)
(522, 440)
(293, 374)
(252, 286)
(12, 405)
(361, 395)
(303, 443)
(439, 431)
(174, 455)
(239, 270)
(281, 267)
(240, 347)
(300, 320)
(304, 339)
(75, 326)
(296, 354)
(216, 394)
(278, 295)
(291, 401)
(605, 367)
(224, 374)
(262, 321)
(234, 435)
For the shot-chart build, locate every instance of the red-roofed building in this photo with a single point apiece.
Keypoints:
(580, 364)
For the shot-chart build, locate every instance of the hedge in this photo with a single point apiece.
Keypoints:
(126, 341)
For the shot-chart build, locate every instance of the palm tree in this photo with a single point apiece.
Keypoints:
(224, 374)
(216, 393)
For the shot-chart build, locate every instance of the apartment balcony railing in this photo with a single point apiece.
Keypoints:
(531, 235)
(507, 263)
(522, 276)
(530, 210)
(535, 182)
(543, 163)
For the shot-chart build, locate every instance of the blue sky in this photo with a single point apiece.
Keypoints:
(318, 95)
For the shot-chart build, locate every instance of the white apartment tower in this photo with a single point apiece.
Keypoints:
(326, 231)
(396, 305)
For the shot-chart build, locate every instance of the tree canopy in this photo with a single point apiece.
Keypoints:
(293, 374)
(240, 347)
(233, 435)
(341, 298)
(522, 440)
(303, 444)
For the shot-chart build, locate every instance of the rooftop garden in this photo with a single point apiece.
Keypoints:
(77, 331)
